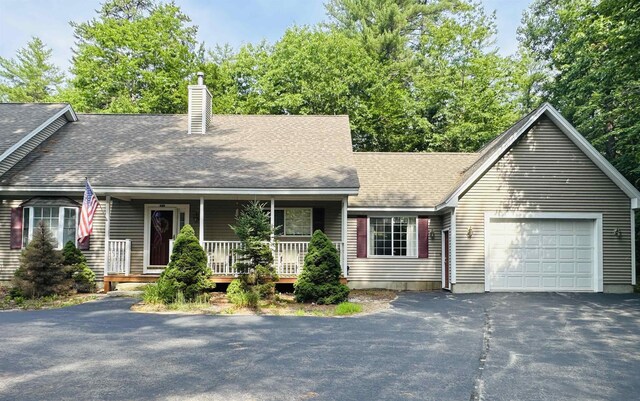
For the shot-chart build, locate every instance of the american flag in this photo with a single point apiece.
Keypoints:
(89, 206)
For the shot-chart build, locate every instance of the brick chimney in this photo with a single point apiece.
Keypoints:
(199, 107)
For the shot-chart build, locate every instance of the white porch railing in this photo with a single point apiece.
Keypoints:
(288, 256)
(119, 256)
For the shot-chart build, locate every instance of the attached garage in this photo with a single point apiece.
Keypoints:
(545, 252)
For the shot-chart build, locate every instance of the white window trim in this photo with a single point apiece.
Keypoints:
(177, 209)
(444, 252)
(60, 233)
(284, 226)
(370, 251)
(598, 260)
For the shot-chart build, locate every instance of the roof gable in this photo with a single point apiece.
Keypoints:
(499, 146)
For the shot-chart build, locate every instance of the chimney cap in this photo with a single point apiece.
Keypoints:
(200, 78)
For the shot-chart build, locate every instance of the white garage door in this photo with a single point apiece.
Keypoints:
(541, 255)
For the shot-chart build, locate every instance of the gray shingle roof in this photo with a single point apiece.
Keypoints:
(407, 179)
(19, 119)
(239, 151)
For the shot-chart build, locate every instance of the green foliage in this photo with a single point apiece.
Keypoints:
(255, 259)
(187, 272)
(76, 266)
(320, 279)
(137, 56)
(41, 270)
(347, 308)
(239, 294)
(31, 76)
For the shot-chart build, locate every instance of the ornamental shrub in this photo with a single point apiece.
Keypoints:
(84, 279)
(41, 270)
(255, 258)
(187, 272)
(320, 278)
(241, 296)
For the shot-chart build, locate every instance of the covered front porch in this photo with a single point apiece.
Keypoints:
(139, 233)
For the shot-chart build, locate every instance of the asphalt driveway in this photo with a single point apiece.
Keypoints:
(429, 346)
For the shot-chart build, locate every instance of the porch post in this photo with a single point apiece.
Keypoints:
(344, 236)
(107, 233)
(273, 219)
(201, 231)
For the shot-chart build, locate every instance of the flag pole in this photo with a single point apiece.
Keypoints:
(86, 181)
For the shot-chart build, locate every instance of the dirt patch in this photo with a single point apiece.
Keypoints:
(283, 304)
(50, 302)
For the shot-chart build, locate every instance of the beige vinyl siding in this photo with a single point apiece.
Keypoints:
(31, 144)
(544, 172)
(127, 221)
(10, 258)
(395, 269)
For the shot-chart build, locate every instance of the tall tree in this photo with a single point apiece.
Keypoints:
(137, 56)
(31, 76)
(589, 50)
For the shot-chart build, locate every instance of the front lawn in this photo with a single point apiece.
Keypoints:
(283, 304)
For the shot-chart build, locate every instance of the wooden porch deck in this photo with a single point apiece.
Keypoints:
(151, 278)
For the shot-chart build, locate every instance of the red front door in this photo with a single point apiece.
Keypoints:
(446, 260)
(161, 233)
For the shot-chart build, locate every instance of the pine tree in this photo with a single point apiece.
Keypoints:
(77, 268)
(41, 270)
(320, 279)
(187, 271)
(255, 258)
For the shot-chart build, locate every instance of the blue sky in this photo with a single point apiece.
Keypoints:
(220, 21)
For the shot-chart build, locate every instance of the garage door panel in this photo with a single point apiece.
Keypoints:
(541, 254)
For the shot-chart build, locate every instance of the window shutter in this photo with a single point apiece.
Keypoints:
(16, 228)
(84, 244)
(318, 219)
(423, 237)
(362, 237)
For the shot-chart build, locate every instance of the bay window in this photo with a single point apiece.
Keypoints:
(62, 223)
(393, 236)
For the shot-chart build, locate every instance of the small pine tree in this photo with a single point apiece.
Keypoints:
(320, 279)
(41, 270)
(77, 268)
(187, 272)
(255, 258)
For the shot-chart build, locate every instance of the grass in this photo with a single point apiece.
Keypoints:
(347, 308)
(48, 302)
(280, 305)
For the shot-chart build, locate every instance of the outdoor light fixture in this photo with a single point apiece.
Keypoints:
(617, 232)
(432, 234)
(469, 232)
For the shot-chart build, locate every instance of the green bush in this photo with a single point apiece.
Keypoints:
(41, 270)
(187, 272)
(320, 278)
(75, 262)
(241, 296)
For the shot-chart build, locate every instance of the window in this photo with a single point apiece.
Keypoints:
(393, 236)
(293, 221)
(62, 222)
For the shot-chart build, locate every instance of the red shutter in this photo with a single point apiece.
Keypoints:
(16, 228)
(84, 244)
(362, 237)
(423, 237)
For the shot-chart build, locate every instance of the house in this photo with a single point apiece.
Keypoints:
(537, 209)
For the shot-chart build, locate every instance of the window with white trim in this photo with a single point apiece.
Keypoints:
(393, 236)
(295, 221)
(61, 221)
